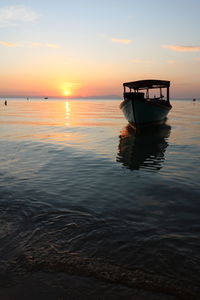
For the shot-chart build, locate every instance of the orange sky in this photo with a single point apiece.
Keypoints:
(76, 50)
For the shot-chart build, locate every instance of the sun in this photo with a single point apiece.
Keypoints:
(66, 92)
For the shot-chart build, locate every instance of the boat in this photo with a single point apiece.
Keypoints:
(144, 103)
(45, 98)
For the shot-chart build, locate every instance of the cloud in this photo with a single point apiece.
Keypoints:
(36, 44)
(171, 62)
(32, 44)
(140, 61)
(16, 14)
(182, 48)
(8, 44)
(53, 46)
(121, 41)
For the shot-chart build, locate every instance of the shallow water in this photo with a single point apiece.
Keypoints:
(82, 193)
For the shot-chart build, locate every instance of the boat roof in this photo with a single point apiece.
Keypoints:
(147, 84)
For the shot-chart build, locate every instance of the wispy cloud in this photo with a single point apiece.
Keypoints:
(16, 14)
(53, 46)
(32, 44)
(9, 44)
(141, 61)
(171, 62)
(182, 48)
(36, 44)
(121, 41)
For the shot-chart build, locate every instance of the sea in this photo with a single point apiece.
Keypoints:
(92, 209)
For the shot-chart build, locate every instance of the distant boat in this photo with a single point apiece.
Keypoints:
(140, 108)
(45, 97)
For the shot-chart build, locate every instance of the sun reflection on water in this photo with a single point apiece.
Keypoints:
(67, 108)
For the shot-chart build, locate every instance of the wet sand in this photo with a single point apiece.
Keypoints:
(60, 286)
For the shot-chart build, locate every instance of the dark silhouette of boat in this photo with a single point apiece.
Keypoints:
(142, 109)
(145, 149)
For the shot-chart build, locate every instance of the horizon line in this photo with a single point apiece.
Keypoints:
(64, 97)
(109, 97)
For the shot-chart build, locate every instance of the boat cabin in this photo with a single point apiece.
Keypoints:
(152, 91)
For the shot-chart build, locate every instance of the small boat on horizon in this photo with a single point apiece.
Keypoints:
(142, 109)
(45, 98)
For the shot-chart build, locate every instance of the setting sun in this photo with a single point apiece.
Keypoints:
(66, 93)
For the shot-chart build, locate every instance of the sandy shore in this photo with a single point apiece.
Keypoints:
(60, 286)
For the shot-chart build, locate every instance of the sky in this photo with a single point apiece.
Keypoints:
(87, 48)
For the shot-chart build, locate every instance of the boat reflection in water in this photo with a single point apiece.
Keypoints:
(145, 149)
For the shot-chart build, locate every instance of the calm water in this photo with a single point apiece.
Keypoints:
(82, 194)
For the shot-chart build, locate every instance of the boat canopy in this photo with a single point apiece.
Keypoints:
(147, 84)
